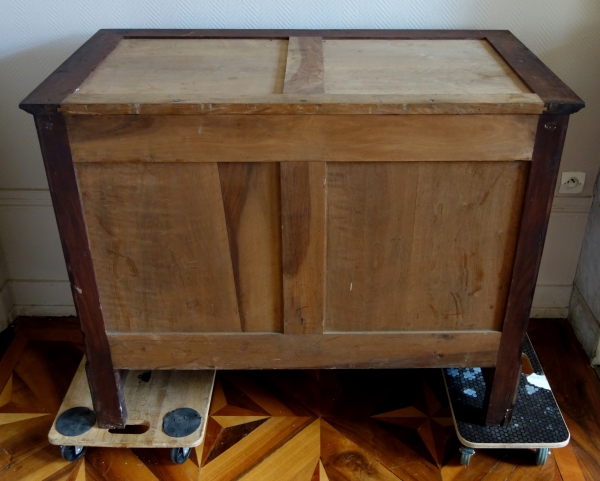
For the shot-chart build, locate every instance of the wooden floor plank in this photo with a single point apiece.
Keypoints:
(575, 386)
(302, 425)
(567, 464)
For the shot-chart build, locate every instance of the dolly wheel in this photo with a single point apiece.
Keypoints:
(179, 455)
(541, 455)
(465, 455)
(72, 453)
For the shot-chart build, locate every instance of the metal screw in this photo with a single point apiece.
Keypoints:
(550, 126)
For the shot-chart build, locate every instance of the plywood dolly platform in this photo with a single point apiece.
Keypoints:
(536, 422)
(167, 409)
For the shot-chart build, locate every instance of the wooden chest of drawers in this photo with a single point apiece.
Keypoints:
(302, 199)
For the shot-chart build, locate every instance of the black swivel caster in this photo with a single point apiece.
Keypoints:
(179, 455)
(72, 453)
(465, 455)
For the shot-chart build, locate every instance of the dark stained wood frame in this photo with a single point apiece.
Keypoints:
(105, 382)
(45, 100)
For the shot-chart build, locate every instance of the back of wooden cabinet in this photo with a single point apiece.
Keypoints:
(191, 233)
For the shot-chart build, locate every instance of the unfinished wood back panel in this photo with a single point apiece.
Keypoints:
(421, 246)
(278, 138)
(179, 248)
(417, 67)
(174, 68)
(251, 199)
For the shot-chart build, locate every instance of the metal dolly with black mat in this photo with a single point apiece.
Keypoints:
(536, 423)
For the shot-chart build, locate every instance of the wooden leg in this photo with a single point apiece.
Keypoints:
(545, 164)
(105, 382)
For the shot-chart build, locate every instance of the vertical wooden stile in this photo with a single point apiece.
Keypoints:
(547, 152)
(303, 206)
(105, 382)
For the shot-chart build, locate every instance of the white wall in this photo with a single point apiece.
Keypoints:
(36, 36)
(585, 301)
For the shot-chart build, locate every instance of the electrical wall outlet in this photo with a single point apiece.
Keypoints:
(572, 183)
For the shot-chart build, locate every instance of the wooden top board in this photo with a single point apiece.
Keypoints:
(303, 75)
(304, 90)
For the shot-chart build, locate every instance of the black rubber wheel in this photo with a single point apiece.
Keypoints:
(179, 455)
(72, 453)
(541, 455)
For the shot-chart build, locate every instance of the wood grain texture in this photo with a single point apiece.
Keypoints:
(308, 104)
(46, 97)
(417, 67)
(148, 402)
(303, 245)
(419, 246)
(105, 383)
(550, 138)
(252, 212)
(370, 421)
(557, 96)
(158, 237)
(304, 351)
(268, 138)
(191, 66)
(304, 68)
(252, 449)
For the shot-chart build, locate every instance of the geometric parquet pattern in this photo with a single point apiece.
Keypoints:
(330, 425)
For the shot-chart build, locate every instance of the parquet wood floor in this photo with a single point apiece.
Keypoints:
(295, 425)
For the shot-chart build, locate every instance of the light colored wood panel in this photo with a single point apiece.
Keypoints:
(147, 403)
(303, 245)
(303, 351)
(344, 138)
(425, 246)
(416, 66)
(159, 244)
(370, 222)
(252, 212)
(464, 244)
(304, 68)
(307, 104)
(190, 66)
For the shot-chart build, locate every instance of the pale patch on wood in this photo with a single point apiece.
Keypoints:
(175, 67)
(417, 67)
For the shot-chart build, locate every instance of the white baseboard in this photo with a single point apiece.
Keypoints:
(42, 311)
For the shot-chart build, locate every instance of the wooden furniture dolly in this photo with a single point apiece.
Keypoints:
(273, 199)
(537, 422)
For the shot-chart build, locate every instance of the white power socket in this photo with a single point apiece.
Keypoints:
(572, 183)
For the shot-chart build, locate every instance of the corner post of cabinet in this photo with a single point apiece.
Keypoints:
(504, 378)
(105, 382)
